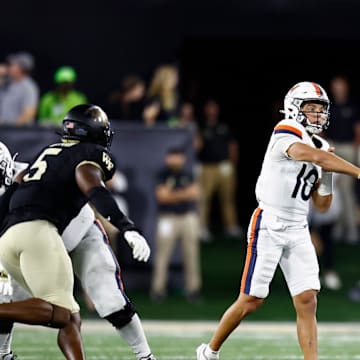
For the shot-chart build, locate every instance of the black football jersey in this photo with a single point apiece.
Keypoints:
(49, 190)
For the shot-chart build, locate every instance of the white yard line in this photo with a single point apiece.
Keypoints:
(169, 326)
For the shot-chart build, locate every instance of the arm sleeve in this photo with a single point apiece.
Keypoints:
(105, 204)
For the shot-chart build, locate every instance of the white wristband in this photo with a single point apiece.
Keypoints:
(326, 184)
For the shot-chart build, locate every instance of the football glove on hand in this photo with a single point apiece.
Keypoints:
(140, 247)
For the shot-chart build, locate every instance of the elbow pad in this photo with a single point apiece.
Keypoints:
(105, 204)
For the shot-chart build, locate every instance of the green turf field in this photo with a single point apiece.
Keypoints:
(178, 340)
(222, 262)
(268, 334)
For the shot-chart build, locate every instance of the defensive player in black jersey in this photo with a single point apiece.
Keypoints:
(51, 193)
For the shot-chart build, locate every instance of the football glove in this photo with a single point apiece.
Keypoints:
(140, 247)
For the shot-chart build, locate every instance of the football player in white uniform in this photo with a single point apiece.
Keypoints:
(94, 264)
(297, 166)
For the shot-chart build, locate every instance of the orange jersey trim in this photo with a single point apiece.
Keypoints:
(287, 129)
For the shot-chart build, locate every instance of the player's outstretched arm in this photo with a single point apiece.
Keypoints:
(327, 160)
(89, 180)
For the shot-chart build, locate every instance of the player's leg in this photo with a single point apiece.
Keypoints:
(305, 305)
(243, 306)
(262, 258)
(69, 336)
(49, 277)
(6, 327)
(301, 271)
(95, 265)
(10, 291)
(32, 311)
(6, 334)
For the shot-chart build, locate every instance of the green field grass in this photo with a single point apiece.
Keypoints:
(222, 262)
(178, 341)
(268, 334)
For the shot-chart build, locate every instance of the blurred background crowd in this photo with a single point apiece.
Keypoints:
(23, 104)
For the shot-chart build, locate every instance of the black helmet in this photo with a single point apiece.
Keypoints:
(87, 122)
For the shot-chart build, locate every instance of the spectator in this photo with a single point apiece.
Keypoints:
(218, 158)
(186, 116)
(4, 79)
(163, 91)
(344, 136)
(19, 100)
(56, 103)
(177, 194)
(188, 120)
(128, 103)
(4, 76)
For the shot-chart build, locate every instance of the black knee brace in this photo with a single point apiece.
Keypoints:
(122, 317)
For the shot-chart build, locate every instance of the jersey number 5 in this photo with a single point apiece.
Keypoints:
(39, 167)
(308, 181)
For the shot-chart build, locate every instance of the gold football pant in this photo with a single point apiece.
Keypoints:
(34, 255)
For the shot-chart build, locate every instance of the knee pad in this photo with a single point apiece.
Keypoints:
(122, 317)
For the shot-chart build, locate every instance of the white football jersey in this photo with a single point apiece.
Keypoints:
(284, 185)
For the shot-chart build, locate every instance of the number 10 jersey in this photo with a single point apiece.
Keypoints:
(284, 185)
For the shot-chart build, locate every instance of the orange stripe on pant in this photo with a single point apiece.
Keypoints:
(251, 252)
